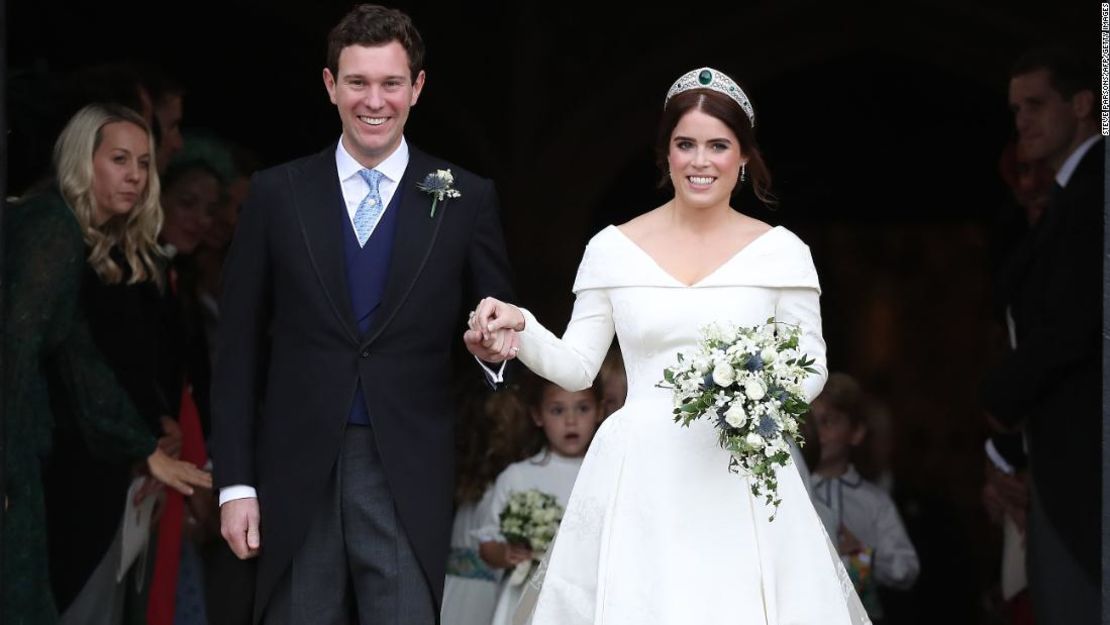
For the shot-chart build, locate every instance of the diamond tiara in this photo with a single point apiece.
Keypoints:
(709, 78)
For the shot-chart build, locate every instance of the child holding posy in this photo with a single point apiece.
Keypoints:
(565, 424)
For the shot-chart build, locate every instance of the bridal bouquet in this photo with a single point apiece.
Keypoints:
(747, 381)
(530, 519)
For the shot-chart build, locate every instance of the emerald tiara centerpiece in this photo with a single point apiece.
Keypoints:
(709, 78)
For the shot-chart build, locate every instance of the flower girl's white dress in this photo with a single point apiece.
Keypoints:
(657, 530)
(470, 588)
(546, 472)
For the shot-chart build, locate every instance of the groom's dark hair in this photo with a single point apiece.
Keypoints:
(375, 25)
(1069, 72)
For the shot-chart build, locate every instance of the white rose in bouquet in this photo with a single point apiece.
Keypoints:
(723, 374)
(702, 365)
(735, 415)
(768, 356)
(755, 389)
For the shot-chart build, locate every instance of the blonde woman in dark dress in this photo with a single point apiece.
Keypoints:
(106, 197)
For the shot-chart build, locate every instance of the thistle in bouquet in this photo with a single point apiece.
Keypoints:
(530, 519)
(748, 382)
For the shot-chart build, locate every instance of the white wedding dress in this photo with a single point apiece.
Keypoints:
(657, 530)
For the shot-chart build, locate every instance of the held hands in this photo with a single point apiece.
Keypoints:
(239, 525)
(492, 331)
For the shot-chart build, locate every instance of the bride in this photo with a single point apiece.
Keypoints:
(657, 530)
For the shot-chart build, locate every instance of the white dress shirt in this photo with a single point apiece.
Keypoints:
(1068, 168)
(354, 186)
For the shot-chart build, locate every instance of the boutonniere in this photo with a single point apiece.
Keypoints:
(440, 184)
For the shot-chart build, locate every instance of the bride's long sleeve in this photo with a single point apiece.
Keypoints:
(802, 306)
(573, 361)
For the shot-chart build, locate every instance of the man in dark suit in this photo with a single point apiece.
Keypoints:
(1049, 385)
(344, 288)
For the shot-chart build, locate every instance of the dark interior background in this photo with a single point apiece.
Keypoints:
(882, 124)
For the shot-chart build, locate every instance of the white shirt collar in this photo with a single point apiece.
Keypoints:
(850, 477)
(1068, 168)
(393, 167)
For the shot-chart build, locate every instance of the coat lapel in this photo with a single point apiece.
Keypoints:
(412, 244)
(322, 214)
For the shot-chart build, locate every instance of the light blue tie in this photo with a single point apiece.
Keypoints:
(370, 209)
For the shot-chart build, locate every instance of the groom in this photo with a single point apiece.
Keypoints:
(333, 426)
(1050, 383)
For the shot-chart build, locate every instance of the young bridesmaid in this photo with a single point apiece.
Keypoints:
(565, 423)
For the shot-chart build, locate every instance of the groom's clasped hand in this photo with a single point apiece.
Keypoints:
(492, 328)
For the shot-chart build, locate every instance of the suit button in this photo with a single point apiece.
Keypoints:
(366, 354)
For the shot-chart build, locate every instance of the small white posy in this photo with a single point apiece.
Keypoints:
(440, 184)
(530, 518)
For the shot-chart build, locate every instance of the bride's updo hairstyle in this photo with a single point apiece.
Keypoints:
(715, 94)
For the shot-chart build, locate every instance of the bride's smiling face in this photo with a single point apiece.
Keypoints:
(705, 158)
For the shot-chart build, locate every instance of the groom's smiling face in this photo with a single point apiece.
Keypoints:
(373, 91)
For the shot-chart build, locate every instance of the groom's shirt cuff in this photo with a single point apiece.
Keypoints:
(239, 491)
(493, 378)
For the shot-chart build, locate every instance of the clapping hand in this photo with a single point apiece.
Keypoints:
(179, 475)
